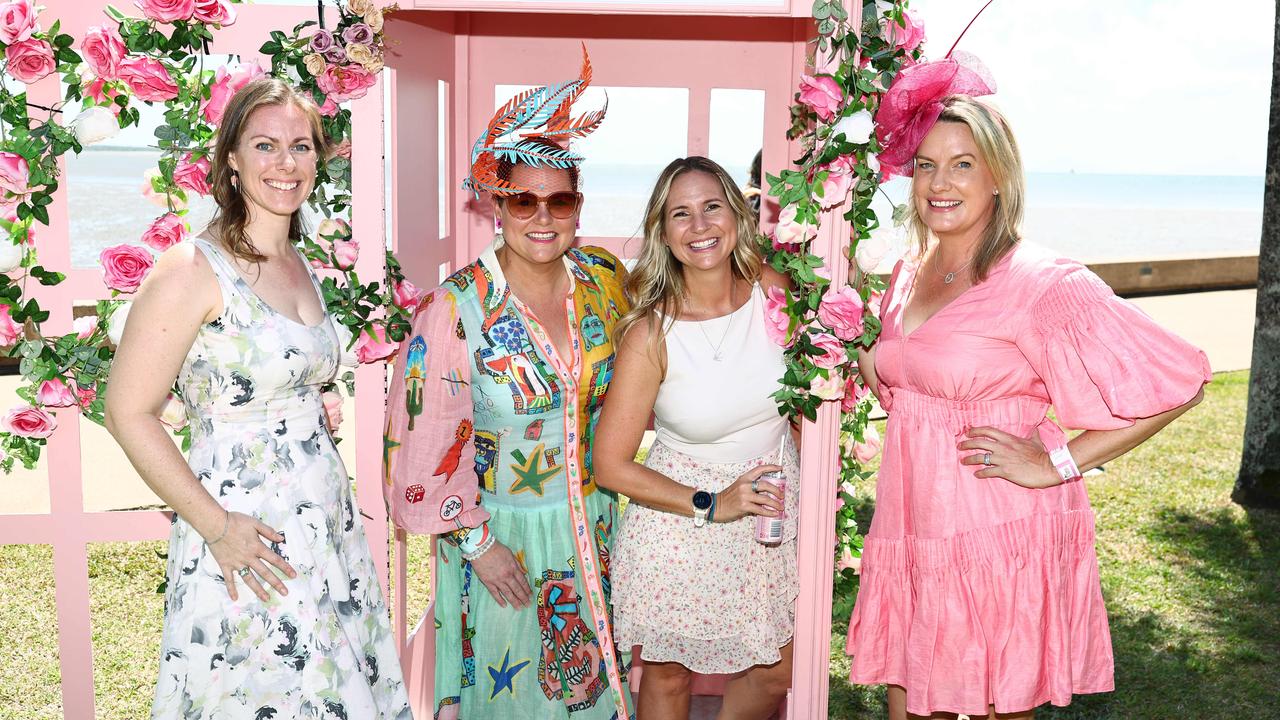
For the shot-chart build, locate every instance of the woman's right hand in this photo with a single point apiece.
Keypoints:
(239, 548)
(498, 569)
(739, 500)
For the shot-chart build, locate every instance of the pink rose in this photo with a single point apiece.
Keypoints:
(29, 421)
(332, 409)
(321, 41)
(867, 450)
(192, 174)
(849, 562)
(215, 12)
(841, 310)
(342, 149)
(54, 393)
(372, 347)
(85, 326)
(86, 395)
(776, 320)
(345, 254)
(833, 353)
(148, 79)
(227, 81)
(124, 267)
(162, 200)
(102, 94)
(174, 412)
(329, 108)
(14, 176)
(345, 82)
(406, 295)
(10, 331)
(17, 21)
(167, 11)
(839, 179)
(827, 388)
(788, 233)
(168, 230)
(29, 60)
(103, 50)
(821, 94)
(907, 36)
(336, 55)
(854, 393)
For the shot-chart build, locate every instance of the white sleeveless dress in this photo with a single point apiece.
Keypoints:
(711, 598)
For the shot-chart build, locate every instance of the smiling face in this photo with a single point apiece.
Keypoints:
(275, 160)
(542, 237)
(953, 189)
(697, 222)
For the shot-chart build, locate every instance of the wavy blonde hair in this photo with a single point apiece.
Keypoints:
(999, 150)
(656, 283)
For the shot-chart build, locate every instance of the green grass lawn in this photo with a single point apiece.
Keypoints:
(1192, 584)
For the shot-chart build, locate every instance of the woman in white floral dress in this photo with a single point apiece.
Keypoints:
(273, 608)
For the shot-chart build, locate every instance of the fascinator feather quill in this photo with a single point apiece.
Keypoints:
(514, 133)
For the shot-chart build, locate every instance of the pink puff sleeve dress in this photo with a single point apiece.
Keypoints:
(977, 592)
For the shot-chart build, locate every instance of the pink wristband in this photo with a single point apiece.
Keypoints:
(1064, 464)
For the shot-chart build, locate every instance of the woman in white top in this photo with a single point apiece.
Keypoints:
(691, 585)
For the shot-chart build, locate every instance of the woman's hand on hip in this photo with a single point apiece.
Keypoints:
(501, 573)
(1022, 461)
(243, 557)
(741, 498)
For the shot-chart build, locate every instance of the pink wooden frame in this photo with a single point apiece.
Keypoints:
(67, 527)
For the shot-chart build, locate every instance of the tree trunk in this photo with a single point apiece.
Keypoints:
(1258, 484)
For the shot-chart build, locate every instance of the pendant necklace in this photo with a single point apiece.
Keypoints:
(716, 347)
(948, 278)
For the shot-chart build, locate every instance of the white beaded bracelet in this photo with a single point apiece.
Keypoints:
(476, 543)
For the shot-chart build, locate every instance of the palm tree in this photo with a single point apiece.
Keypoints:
(1258, 484)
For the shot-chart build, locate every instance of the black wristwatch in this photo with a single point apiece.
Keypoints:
(702, 502)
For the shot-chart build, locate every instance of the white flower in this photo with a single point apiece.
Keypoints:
(873, 162)
(84, 326)
(95, 125)
(115, 326)
(874, 249)
(11, 255)
(346, 357)
(857, 128)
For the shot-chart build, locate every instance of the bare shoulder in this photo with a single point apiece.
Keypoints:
(643, 341)
(770, 278)
(182, 275)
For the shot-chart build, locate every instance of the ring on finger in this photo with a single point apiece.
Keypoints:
(986, 459)
(755, 485)
(244, 571)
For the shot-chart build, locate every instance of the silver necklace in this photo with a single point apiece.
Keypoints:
(716, 347)
(948, 278)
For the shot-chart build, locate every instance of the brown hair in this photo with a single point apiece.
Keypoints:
(232, 215)
(999, 150)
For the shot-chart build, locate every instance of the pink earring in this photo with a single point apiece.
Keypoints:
(579, 224)
(497, 223)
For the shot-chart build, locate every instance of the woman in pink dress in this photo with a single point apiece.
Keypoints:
(979, 589)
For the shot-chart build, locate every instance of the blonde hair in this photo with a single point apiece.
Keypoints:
(999, 151)
(232, 215)
(656, 283)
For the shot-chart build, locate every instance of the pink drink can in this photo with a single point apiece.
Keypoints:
(769, 529)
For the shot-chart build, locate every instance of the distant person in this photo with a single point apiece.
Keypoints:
(753, 192)
(979, 591)
(273, 608)
(491, 415)
(692, 584)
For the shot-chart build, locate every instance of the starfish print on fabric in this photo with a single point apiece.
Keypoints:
(504, 677)
(529, 475)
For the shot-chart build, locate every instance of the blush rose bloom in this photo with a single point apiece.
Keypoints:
(776, 319)
(226, 82)
(849, 562)
(148, 79)
(854, 393)
(102, 94)
(124, 267)
(839, 179)
(789, 234)
(345, 82)
(906, 36)
(167, 11)
(10, 331)
(192, 174)
(872, 250)
(54, 393)
(332, 409)
(29, 421)
(103, 50)
(345, 254)
(29, 60)
(869, 448)
(215, 12)
(407, 295)
(14, 178)
(372, 347)
(174, 412)
(827, 388)
(841, 310)
(17, 21)
(822, 95)
(162, 200)
(329, 108)
(86, 395)
(85, 326)
(168, 230)
(833, 353)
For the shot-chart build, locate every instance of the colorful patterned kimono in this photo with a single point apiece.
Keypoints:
(486, 422)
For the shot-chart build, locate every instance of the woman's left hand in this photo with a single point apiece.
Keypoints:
(1022, 461)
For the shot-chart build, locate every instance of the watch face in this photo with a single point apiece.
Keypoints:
(702, 500)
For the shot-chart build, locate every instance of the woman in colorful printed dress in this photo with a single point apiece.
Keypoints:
(693, 587)
(273, 608)
(492, 411)
(979, 584)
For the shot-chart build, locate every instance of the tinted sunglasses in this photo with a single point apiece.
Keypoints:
(561, 204)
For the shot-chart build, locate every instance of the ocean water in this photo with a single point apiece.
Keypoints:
(1088, 217)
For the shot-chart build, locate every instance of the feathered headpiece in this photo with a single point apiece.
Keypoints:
(513, 133)
(912, 104)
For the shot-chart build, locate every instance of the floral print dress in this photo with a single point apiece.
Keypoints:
(260, 445)
(488, 424)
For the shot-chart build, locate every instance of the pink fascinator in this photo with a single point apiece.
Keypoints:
(912, 104)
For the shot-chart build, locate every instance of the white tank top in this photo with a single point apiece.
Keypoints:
(721, 411)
